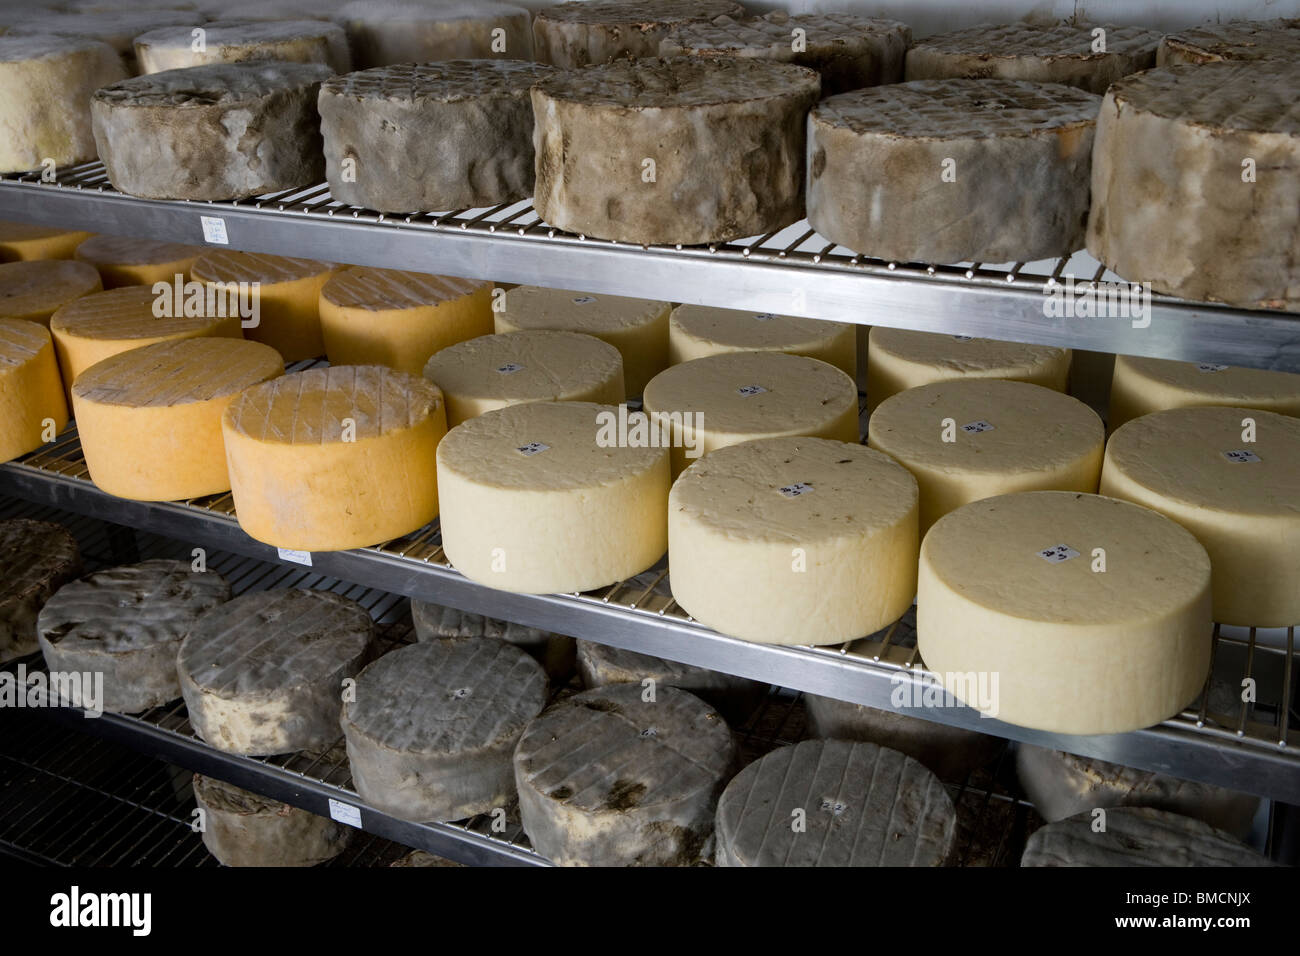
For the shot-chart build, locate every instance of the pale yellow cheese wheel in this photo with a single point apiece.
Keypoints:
(399, 319)
(335, 458)
(23, 242)
(36, 290)
(1144, 385)
(1057, 644)
(534, 501)
(974, 438)
(122, 261)
(149, 419)
(1240, 498)
(695, 331)
(794, 540)
(31, 394)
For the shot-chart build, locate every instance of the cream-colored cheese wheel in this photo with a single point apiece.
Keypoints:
(150, 419)
(1144, 385)
(712, 402)
(541, 497)
(399, 319)
(978, 437)
(231, 41)
(287, 293)
(35, 290)
(335, 458)
(493, 371)
(899, 359)
(1017, 618)
(114, 27)
(638, 328)
(384, 32)
(22, 242)
(695, 331)
(122, 261)
(31, 392)
(1241, 498)
(794, 540)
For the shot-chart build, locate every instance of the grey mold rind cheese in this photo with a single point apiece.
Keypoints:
(225, 41)
(127, 623)
(224, 131)
(1136, 836)
(608, 779)
(1019, 156)
(246, 829)
(433, 726)
(555, 652)
(1234, 40)
(726, 139)
(117, 28)
(863, 805)
(572, 35)
(385, 32)
(431, 136)
(263, 674)
(36, 559)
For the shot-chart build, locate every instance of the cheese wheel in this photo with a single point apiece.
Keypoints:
(336, 458)
(432, 728)
(861, 805)
(1012, 594)
(572, 35)
(117, 28)
(31, 392)
(242, 828)
(541, 498)
(421, 858)
(695, 331)
(21, 242)
(720, 400)
(978, 437)
(1136, 836)
(1144, 385)
(36, 290)
(286, 292)
(493, 371)
(1234, 40)
(399, 319)
(137, 261)
(794, 541)
(607, 778)
(383, 32)
(233, 41)
(553, 651)
(898, 359)
(638, 328)
(1237, 497)
(36, 559)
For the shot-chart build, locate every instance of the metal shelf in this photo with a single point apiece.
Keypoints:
(794, 271)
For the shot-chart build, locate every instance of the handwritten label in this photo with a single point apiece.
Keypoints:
(214, 230)
(974, 428)
(795, 490)
(297, 557)
(1059, 553)
(532, 448)
(345, 813)
(748, 390)
(1241, 457)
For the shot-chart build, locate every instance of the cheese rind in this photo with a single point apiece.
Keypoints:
(242, 828)
(384, 32)
(20, 242)
(555, 652)
(1234, 40)
(1136, 836)
(234, 41)
(572, 35)
(1141, 386)
(695, 331)
(31, 392)
(116, 28)
(36, 559)
(137, 261)
(36, 290)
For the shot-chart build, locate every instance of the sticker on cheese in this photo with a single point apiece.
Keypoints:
(234, 41)
(681, 150)
(1237, 497)
(555, 652)
(36, 290)
(399, 319)
(384, 32)
(609, 778)
(1113, 639)
(695, 331)
(242, 828)
(545, 497)
(1136, 836)
(898, 359)
(1141, 386)
(572, 35)
(948, 171)
(336, 458)
(36, 559)
(33, 409)
(638, 328)
(116, 28)
(493, 371)
(433, 726)
(137, 261)
(284, 291)
(1088, 56)
(835, 803)
(479, 111)
(757, 557)
(127, 623)
(1234, 40)
(22, 242)
(712, 402)
(224, 131)
(263, 674)
(1188, 188)
(849, 52)
(973, 438)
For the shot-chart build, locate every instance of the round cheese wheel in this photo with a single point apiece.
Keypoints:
(233, 41)
(242, 828)
(1144, 385)
(1237, 497)
(553, 651)
(610, 778)
(36, 290)
(1065, 612)
(383, 32)
(304, 452)
(493, 371)
(1136, 836)
(433, 726)
(898, 359)
(859, 805)
(974, 438)
(720, 400)
(36, 559)
(137, 261)
(31, 392)
(21, 242)
(695, 331)
(794, 541)
(420, 858)
(115, 27)
(542, 498)
(572, 35)
(399, 319)
(1234, 40)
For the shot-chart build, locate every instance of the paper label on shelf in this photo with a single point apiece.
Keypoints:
(751, 389)
(1241, 457)
(974, 428)
(1059, 553)
(532, 448)
(345, 813)
(297, 557)
(214, 230)
(795, 490)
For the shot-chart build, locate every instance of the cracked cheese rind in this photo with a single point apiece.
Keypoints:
(1234, 40)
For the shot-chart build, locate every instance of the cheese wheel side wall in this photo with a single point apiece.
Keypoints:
(30, 393)
(891, 374)
(289, 317)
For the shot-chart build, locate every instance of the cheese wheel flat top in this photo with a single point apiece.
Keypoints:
(32, 554)
(1062, 40)
(309, 408)
(26, 232)
(524, 366)
(44, 285)
(1214, 384)
(1256, 97)
(178, 373)
(15, 48)
(533, 307)
(448, 81)
(962, 354)
(500, 449)
(639, 13)
(1235, 40)
(795, 489)
(120, 251)
(223, 797)
(379, 290)
(229, 265)
(20, 342)
(234, 33)
(216, 84)
(751, 330)
(124, 313)
(415, 12)
(680, 83)
(117, 28)
(771, 34)
(1136, 836)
